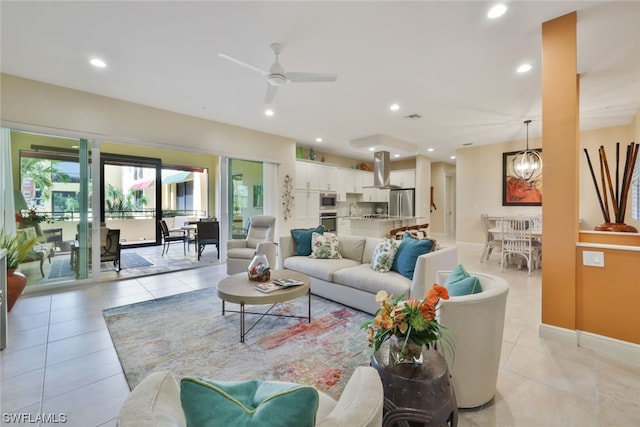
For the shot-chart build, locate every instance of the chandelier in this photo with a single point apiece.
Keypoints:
(527, 164)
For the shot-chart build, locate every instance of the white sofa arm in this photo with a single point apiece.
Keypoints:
(154, 402)
(361, 402)
(270, 250)
(428, 265)
(285, 249)
(236, 243)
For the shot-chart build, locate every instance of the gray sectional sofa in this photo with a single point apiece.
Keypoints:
(352, 282)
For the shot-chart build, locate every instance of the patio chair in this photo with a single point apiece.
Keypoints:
(167, 238)
(208, 234)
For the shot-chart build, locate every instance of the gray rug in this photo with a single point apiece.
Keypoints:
(187, 335)
(60, 266)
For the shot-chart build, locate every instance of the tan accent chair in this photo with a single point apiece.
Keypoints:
(476, 324)
(259, 241)
(155, 402)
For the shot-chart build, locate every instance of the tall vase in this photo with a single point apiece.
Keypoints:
(16, 283)
(404, 352)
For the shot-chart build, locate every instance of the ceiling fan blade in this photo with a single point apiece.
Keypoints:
(271, 92)
(311, 77)
(244, 64)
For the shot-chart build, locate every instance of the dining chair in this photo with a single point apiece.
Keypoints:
(517, 240)
(491, 242)
(208, 233)
(167, 238)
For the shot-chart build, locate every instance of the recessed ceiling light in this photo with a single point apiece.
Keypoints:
(318, 139)
(97, 62)
(430, 150)
(452, 157)
(524, 68)
(396, 155)
(394, 107)
(497, 11)
(372, 148)
(268, 112)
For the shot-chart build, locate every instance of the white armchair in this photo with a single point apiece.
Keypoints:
(155, 402)
(476, 324)
(259, 241)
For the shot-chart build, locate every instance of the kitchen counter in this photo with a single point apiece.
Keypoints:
(376, 226)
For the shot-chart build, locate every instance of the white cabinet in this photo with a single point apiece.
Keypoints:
(404, 178)
(315, 176)
(346, 182)
(307, 208)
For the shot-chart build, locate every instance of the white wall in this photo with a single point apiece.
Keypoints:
(31, 105)
(479, 180)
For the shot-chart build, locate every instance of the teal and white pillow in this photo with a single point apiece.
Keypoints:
(209, 403)
(383, 255)
(325, 246)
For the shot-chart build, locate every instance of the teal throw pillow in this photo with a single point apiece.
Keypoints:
(408, 252)
(302, 240)
(247, 403)
(461, 283)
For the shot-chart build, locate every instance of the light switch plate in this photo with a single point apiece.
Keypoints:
(593, 258)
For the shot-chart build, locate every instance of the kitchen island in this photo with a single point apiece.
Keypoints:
(373, 225)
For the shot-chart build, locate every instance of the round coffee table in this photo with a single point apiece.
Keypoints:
(239, 289)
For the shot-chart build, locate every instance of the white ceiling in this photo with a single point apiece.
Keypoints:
(442, 60)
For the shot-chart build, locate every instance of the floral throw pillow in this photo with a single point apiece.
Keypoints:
(383, 255)
(325, 246)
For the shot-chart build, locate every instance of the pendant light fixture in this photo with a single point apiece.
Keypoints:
(527, 164)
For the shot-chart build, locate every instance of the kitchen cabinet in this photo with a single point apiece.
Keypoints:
(346, 183)
(307, 208)
(314, 176)
(344, 226)
(403, 178)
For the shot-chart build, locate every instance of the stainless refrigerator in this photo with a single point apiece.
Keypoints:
(402, 202)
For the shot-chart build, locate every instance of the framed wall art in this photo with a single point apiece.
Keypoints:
(516, 191)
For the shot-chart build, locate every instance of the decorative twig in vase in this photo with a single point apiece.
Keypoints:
(619, 196)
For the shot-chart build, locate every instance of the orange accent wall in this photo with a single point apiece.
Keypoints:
(560, 147)
(608, 299)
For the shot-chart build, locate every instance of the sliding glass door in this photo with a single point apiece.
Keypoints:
(246, 195)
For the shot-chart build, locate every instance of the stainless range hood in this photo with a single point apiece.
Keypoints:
(382, 171)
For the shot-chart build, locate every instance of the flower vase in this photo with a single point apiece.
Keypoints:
(259, 268)
(404, 353)
(16, 283)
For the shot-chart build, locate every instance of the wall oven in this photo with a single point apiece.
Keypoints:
(329, 220)
(328, 201)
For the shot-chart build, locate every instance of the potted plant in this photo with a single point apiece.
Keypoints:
(17, 247)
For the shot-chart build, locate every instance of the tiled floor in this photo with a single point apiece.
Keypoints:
(60, 358)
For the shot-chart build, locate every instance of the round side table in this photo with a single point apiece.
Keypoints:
(416, 394)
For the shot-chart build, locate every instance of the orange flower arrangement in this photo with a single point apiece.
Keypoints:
(411, 319)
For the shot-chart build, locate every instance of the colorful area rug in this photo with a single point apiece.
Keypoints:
(188, 335)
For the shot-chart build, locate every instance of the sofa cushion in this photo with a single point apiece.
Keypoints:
(325, 246)
(383, 255)
(461, 283)
(364, 278)
(352, 247)
(408, 252)
(319, 268)
(369, 248)
(302, 240)
(247, 403)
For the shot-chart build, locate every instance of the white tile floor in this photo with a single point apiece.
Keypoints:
(60, 358)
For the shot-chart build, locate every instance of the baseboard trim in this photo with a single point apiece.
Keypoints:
(623, 350)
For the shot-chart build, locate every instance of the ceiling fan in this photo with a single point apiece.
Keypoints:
(276, 75)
